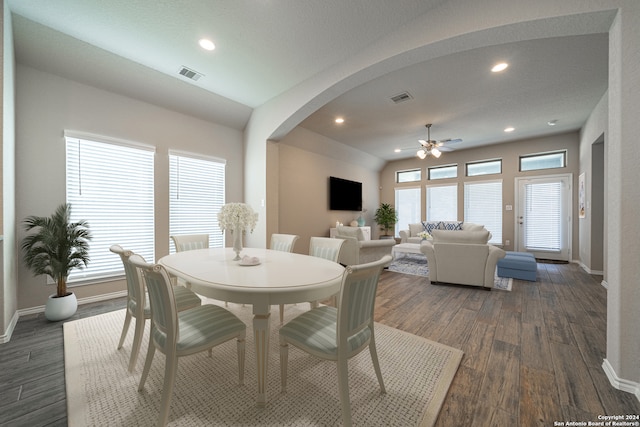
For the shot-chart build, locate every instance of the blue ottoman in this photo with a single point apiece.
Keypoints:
(518, 265)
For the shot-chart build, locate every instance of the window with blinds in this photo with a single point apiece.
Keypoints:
(110, 185)
(543, 205)
(442, 202)
(483, 205)
(407, 207)
(196, 194)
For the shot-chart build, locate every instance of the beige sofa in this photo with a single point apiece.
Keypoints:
(462, 257)
(411, 234)
(357, 250)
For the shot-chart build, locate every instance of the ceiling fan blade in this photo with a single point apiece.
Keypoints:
(451, 141)
(446, 148)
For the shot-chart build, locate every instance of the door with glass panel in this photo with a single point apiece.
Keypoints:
(543, 216)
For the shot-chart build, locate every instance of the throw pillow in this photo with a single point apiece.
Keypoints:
(429, 226)
(450, 225)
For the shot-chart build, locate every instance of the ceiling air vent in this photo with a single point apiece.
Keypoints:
(190, 74)
(401, 97)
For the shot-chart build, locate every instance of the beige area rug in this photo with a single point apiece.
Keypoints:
(101, 392)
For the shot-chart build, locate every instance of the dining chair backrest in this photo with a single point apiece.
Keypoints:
(135, 285)
(356, 300)
(325, 247)
(162, 300)
(283, 242)
(189, 242)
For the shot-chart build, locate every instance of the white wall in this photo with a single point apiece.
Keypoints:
(305, 162)
(48, 104)
(593, 131)
(7, 181)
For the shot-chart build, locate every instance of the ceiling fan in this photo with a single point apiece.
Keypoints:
(433, 148)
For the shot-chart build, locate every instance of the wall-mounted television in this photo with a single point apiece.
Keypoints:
(344, 195)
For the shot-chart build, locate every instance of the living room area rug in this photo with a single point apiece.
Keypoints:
(416, 264)
(100, 391)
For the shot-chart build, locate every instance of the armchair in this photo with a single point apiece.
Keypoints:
(356, 250)
(462, 257)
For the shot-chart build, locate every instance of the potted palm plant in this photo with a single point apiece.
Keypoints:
(55, 248)
(386, 217)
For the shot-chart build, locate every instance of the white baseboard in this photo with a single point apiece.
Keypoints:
(12, 325)
(39, 309)
(588, 270)
(620, 383)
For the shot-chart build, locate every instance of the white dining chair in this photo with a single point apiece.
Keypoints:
(284, 243)
(138, 306)
(327, 248)
(188, 242)
(184, 333)
(337, 334)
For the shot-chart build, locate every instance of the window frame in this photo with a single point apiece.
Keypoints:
(496, 234)
(205, 203)
(540, 155)
(398, 173)
(480, 162)
(441, 167)
(426, 202)
(400, 224)
(100, 190)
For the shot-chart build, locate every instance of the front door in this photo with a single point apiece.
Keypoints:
(543, 216)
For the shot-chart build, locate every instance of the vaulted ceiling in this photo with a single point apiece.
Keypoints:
(266, 47)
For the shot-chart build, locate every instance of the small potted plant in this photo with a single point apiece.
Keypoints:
(55, 248)
(386, 217)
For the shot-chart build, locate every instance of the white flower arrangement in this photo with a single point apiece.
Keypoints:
(424, 235)
(237, 216)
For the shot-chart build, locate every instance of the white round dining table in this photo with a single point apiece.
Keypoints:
(278, 278)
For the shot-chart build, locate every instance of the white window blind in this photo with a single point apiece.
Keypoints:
(407, 207)
(442, 202)
(543, 204)
(196, 191)
(110, 185)
(483, 205)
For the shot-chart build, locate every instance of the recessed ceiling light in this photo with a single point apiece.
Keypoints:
(509, 129)
(499, 67)
(339, 120)
(397, 150)
(206, 44)
(552, 122)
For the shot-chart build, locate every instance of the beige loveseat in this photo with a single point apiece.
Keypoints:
(411, 234)
(357, 250)
(462, 257)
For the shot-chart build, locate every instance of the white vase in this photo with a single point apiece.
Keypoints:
(60, 308)
(237, 243)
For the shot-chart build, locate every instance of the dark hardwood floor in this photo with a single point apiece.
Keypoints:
(533, 356)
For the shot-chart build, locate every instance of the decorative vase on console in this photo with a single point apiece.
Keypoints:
(360, 221)
(237, 217)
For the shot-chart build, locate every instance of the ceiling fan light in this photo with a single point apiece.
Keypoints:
(422, 154)
(435, 152)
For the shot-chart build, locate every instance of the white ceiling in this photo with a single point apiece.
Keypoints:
(266, 47)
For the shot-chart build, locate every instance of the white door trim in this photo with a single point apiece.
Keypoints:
(569, 213)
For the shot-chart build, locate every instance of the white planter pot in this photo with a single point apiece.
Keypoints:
(60, 308)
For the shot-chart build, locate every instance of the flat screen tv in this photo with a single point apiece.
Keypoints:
(344, 195)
